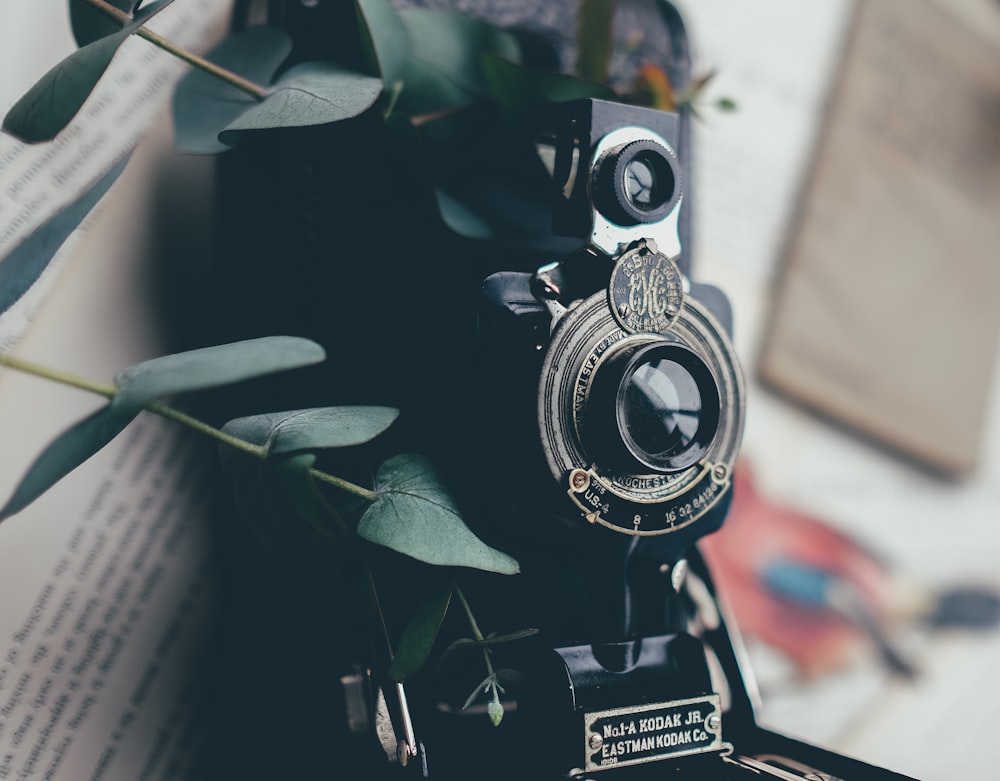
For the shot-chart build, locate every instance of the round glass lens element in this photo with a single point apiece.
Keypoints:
(637, 183)
(662, 408)
(648, 182)
(640, 183)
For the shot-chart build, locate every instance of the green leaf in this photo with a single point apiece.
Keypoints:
(320, 427)
(468, 642)
(415, 515)
(517, 87)
(89, 23)
(210, 367)
(445, 70)
(306, 429)
(419, 635)
(385, 39)
(311, 93)
(204, 105)
(461, 219)
(25, 263)
(54, 100)
(483, 688)
(298, 491)
(64, 454)
(305, 557)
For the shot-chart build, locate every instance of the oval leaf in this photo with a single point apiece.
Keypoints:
(462, 219)
(468, 642)
(26, 262)
(54, 100)
(210, 367)
(293, 547)
(306, 429)
(445, 70)
(89, 23)
(518, 88)
(419, 635)
(64, 454)
(298, 491)
(312, 93)
(385, 39)
(204, 105)
(415, 515)
(330, 427)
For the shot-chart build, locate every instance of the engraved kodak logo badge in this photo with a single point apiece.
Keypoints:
(646, 290)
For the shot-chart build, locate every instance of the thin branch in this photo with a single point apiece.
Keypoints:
(63, 378)
(233, 79)
(170, 413)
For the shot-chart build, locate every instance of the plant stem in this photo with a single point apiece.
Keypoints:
(170, 413)
(477, 633)
(63, 378)
(233, 79)
(474, 626)
(345, 485)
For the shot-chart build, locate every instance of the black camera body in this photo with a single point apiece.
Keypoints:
(582, 393)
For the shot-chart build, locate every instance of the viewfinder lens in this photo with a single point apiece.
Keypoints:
(637, 184)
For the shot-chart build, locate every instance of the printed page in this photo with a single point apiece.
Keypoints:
(37, 181)
(107, 621)
(886, 318)
(109, 592)
(778, 60)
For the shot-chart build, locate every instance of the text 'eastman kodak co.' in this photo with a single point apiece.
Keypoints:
(631, 736)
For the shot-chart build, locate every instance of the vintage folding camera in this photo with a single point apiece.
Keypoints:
(616, 409)
(583, 390)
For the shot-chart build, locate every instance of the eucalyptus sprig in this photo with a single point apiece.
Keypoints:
(410, 510)
(311, 93)
(422, 630)
(490, 685)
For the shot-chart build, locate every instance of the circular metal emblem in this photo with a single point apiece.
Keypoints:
(646, 290)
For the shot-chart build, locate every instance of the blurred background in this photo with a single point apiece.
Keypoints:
(834, 182)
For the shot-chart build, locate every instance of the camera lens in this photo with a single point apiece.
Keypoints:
(637, 183)
(642, 185)
(661, 407)
(654, 406)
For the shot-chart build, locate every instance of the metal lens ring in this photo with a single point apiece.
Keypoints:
(638, 183)
(629, 482)
(638, 180)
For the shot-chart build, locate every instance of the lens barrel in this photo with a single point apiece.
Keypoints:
(637, 183)
(653, 407)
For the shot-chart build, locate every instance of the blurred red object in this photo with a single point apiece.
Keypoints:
(761, 534)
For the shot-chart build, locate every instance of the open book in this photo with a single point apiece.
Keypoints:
(108, 609)
(887, 316)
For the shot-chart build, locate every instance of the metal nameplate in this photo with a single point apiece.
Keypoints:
(649, 733)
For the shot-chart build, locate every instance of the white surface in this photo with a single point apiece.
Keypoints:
(774, 57)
